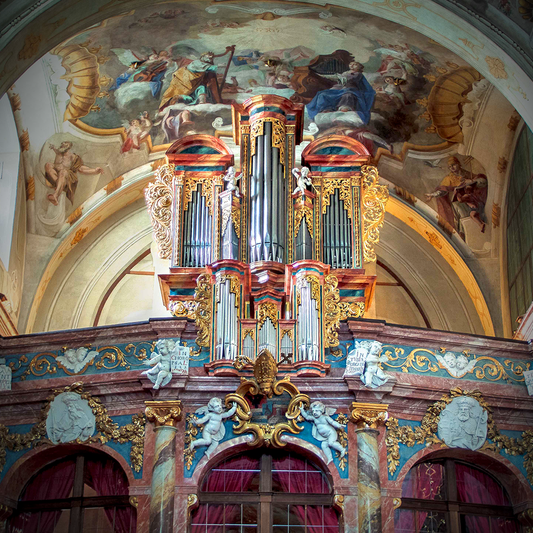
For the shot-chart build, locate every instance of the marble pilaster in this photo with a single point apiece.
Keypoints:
(164, 415)
(367, 417)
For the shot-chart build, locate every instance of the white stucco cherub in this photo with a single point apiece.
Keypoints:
(213, 416)
(457, 366)
(302, 179)
(373, 376)
(232, 180)
(75, 360)
(160, 374)
(324, 428)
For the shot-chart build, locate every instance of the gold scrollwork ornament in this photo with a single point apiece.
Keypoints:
(331, 309)
(265, 384)
(374, 201)
(204, 309)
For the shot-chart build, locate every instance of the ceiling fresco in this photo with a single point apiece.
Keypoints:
(134, 83)
(173, 70)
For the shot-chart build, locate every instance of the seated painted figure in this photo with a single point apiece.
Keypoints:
(353, 93)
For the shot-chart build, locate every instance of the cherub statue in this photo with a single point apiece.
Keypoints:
(212, 420)
(302, 179)
(75, 359)
(232, 180)
(161, 373)
(324, 428)
(373, 376)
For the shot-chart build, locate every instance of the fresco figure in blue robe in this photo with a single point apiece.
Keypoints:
(352, 93)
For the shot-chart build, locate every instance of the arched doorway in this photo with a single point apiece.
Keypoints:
(78, 493)
(265, 491)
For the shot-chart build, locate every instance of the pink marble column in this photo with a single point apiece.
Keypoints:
(164, 415)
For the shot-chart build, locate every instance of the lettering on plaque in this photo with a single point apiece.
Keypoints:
(5, 375)
(355, 361)
(179, 360)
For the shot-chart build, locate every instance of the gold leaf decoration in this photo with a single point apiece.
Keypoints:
(159, 198)
(351, 310)
(204, 309)
(267, 310)
(331, 309)
(343, 440)
(374, 201)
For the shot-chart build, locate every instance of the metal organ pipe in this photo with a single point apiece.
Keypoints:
(267, 193)
(267, 200)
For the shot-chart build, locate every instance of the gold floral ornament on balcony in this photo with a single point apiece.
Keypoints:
(265, 384)
(373, 203)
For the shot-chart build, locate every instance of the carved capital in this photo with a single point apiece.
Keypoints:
(164, 413)
(369, 414)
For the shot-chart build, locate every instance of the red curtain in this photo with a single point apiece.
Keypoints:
(296, 475)
(423, 481)
(54, 482)
(107, 479)
(233, 475)
(474, 486)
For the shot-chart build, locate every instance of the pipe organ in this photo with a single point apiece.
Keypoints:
(270, 263)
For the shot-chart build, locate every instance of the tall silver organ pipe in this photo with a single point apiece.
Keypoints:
(268, 201)
(226, 322)
(197, 232)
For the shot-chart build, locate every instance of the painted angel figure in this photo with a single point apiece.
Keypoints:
(232, 180)
(213, 416)
(136, 130)
(161, 372)
(457, 366)
(373, 376)
(149, 69)
(75, 359)
(324, 428)
(302, 179)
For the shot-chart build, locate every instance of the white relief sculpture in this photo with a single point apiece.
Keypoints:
(373, 375)
(6, 375)
(213, 416)
(161, 373)
(457, 366)
(302, 179)
(70, 418)
(463, 424)
(324, 428)
(232, 180)
(75, 360)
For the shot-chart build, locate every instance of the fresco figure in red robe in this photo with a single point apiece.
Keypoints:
(460, 194)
